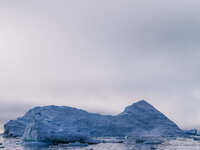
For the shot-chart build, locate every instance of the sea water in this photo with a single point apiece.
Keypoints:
(169, 144)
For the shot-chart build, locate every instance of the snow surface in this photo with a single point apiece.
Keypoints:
(62, 124)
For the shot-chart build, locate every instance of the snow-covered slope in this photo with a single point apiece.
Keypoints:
(148, 120)
(66, 124)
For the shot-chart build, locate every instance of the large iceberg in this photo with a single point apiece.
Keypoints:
(62, 124)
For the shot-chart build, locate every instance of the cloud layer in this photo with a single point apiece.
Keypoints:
(101, 56)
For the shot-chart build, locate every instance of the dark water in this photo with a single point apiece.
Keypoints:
(173, 144)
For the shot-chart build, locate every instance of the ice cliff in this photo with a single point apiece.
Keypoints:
(62, 124)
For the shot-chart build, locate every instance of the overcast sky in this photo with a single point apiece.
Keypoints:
(101, 55)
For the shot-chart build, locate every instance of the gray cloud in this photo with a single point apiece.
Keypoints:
(100, 56)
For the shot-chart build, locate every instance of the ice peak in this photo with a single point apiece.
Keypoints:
(141, 102)
(139, 106)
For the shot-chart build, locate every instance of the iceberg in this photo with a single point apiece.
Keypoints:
(62, 124)
(191, 132)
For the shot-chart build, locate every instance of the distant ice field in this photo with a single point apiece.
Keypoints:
(173, 144)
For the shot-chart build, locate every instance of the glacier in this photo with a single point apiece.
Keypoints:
(63, 124)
